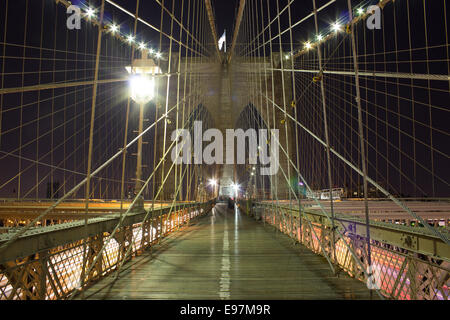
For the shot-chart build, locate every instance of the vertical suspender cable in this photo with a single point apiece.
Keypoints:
(325, 121)
(91, 141)
(361, 136)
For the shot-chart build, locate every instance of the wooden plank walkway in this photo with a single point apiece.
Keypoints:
(227, 255)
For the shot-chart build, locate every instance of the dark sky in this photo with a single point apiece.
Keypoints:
(66, 51)
(225, 11)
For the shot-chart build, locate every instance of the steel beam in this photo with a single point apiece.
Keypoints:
(418, 240)
(396, 75)
(236, 28)
(212, 24)
(59, 85)
(45, 238)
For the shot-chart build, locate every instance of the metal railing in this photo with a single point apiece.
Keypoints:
(46, 263)
(407, 263)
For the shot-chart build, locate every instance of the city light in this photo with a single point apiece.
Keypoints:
(319, 37)
(142, 46)
(360, 11)
(336, 27)
(114, 28)
(158, 55)
(142, 88)
(90, 12)
(308, 45)
(130, 38)
(213, 182)
(142, 79)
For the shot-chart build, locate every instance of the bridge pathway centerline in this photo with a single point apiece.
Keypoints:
(262, 263)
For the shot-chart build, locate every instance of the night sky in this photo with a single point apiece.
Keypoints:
(59, 137)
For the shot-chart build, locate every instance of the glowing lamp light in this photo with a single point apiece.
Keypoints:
(319, 37)
(158, 55)
(90, 12)
(130, 38)
(213, 182)
(142, 80)
(142, 88)
(142, 46)
(308, 45)
(360, 11)
(114, 28)
(336, 27)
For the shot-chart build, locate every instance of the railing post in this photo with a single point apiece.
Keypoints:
(412, 275)
(42, 270)
(95, 245)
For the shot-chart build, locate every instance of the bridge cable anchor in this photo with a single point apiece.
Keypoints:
(318, 77)
(293, 104)
(348, 28)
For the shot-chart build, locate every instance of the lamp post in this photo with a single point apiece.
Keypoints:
(142, 90)
(235, 187)
(213, 183)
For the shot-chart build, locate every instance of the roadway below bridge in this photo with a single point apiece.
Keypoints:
(19, 213)
(437, 211)
(228, 255)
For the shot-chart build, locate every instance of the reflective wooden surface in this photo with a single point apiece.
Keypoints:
(227, 255)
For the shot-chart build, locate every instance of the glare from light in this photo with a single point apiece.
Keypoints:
(158, 55)
(235, 187)
(254, 168)
(360, 11)
(130, 38)
(308, 45)
(114, 28)
(286, 56)
(142, 46)
(336, 27)
(151, 50)
(142, 88)
(319, 37)
(212, 182)
(90, 12)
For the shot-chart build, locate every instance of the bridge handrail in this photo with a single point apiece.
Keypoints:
(407, 263)
(45, 262)
(423, 241)
(41, 238)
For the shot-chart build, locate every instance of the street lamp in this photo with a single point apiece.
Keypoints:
(90, 13)
(142, 90)
(213, 183)
(336, 27)
(236, 189)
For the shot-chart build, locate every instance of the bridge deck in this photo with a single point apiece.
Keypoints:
(227, 255)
